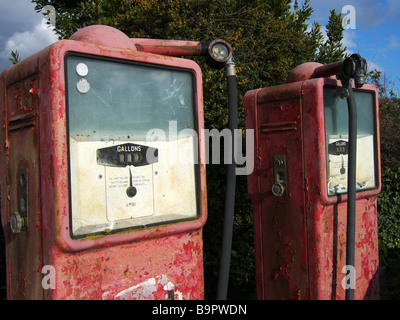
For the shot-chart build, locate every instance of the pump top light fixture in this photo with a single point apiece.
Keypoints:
(217, 53)
(220, 51)
(354, 67)
(347, 68)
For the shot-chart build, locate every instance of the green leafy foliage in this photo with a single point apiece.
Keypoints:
(389, 209)
(389, 118)
(332, 50)
(76, 14)
(389, 198)
(14, 57)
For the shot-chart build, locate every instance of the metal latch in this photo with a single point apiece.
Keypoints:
(279, 186)
(19, 219)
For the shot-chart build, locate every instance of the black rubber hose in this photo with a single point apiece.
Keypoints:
(226, 249)
(351, 188)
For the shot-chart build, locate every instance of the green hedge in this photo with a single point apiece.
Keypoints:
(389, 209)
(389, 234)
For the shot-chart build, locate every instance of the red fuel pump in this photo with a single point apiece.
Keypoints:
(315, 183)
(101, 197)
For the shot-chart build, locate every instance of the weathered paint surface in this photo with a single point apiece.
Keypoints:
(126, 271)
(167, 258)
(168, 47)
(301, 236)
(159, 288)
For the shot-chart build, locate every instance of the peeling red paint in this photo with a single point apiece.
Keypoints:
(174, 48)
(303, 233)
(91, 268)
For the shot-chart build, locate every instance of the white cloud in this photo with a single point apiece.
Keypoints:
(372, 66)
(29, 42)
(349, 37)
(22, 29)
(394, 42)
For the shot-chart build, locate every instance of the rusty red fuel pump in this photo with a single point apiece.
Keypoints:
(315, 183)
(102, 168)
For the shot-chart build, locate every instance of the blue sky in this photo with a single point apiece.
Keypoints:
(376, 34)
(21, 28)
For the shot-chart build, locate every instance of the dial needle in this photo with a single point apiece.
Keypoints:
(342, 169)
(131, 190)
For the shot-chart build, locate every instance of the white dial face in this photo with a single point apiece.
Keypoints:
(106, 197)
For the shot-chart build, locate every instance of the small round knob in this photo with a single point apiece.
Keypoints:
(131, 191)
(278, 189)
(16, 222)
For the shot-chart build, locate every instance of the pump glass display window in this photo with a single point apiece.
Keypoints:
(336, 140)
(133, 149)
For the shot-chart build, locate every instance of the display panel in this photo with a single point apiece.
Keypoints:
(129, 167)
(336, 141)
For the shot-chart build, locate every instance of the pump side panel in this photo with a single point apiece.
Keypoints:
(282, 231)
(24, 250)
(3, 173)
(253, 179)
(3, 188)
